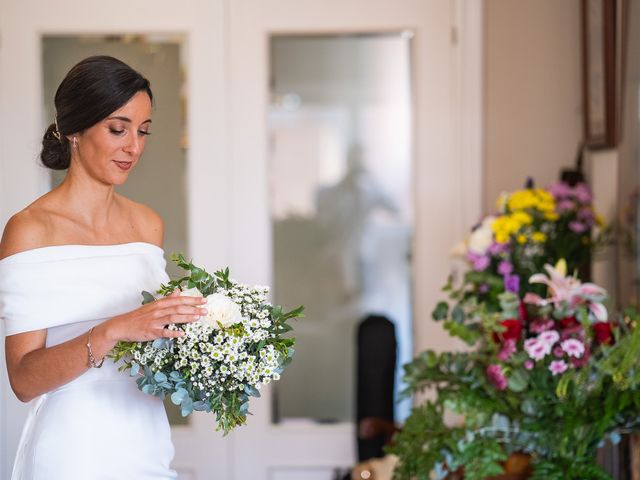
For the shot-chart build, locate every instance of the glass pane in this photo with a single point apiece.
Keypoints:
(159, 178)
(340, 173)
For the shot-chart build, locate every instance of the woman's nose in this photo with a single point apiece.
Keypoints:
(133, 145)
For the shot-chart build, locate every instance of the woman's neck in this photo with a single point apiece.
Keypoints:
(91, 202)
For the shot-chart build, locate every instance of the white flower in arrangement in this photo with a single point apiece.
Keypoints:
(221, 310)
(482, 237)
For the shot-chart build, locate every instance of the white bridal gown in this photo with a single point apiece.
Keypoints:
(98, 426)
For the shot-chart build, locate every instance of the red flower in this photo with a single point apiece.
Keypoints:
(603, 333)
(513, 330)
(522, 310)
(581, 361)
(568, 322)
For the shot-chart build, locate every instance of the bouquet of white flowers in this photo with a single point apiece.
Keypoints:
(223, 359)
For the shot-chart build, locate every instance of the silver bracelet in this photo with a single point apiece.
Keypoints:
(92, 359)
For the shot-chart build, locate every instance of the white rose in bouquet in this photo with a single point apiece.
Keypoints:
(221, 311)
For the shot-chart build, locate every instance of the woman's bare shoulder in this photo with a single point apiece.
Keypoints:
(26, 230)
(148, 222)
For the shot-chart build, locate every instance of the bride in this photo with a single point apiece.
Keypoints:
(72, 266)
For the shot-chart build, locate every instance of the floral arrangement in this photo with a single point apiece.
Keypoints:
(551, 380)
(223, 359)
(550, 373)
(533, 226)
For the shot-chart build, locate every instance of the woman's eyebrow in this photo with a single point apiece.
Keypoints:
(127, 119)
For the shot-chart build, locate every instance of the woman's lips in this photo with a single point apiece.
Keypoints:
(123, 165)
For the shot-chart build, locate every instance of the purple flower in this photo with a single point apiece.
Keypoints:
(528, 364)
(483, 288)
(557, 367)
(560, 189)
(558, 351)
(512, 283)
(583, 193)
(577, 227)
(586, 216)
(508, 349)
(481, 263)
(496, 377)
(498, 248)
(505, 267)
(564, 206)
(573, 347)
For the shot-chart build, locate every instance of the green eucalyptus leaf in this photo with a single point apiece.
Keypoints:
(441, 311)
(147, 297)
(518, 380)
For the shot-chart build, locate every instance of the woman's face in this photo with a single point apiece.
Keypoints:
(109, 150)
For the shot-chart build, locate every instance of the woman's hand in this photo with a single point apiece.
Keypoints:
(149, 321)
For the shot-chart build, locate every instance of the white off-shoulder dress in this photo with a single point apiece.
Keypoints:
(98, 426)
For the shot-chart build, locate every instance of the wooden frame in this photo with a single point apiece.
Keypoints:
(603, 34)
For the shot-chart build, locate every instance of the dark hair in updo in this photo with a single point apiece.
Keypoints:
(93, 89)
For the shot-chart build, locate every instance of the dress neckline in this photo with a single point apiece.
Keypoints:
(82, 247)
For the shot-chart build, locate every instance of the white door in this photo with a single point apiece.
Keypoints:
(200, 454)
(228, 218)
(445, 192)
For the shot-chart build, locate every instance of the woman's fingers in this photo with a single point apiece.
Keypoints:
(166, 333)
(181, 318)
(172, 301)
(181, 309)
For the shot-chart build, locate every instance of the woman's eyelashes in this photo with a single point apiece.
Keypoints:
(115, 131)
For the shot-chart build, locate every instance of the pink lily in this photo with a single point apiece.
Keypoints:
(568, 290)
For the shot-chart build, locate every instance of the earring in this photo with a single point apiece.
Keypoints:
(75, 142)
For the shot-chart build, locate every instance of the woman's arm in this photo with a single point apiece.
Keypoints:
(34, 369)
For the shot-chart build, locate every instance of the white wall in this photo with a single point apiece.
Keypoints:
(533, 92)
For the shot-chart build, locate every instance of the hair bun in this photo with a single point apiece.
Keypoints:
(55, 153)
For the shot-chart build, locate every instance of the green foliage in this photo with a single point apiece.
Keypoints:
(559, 420)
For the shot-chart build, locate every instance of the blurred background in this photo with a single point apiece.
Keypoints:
(335, 150)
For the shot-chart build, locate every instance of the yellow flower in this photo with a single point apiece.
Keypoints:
(539, 237)
(544, 195)
(523, 218)
(553, 216)
(599, 219)
(511, 225)
(521, 239)
(546, 206)
(522, 199)
(502, 236)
